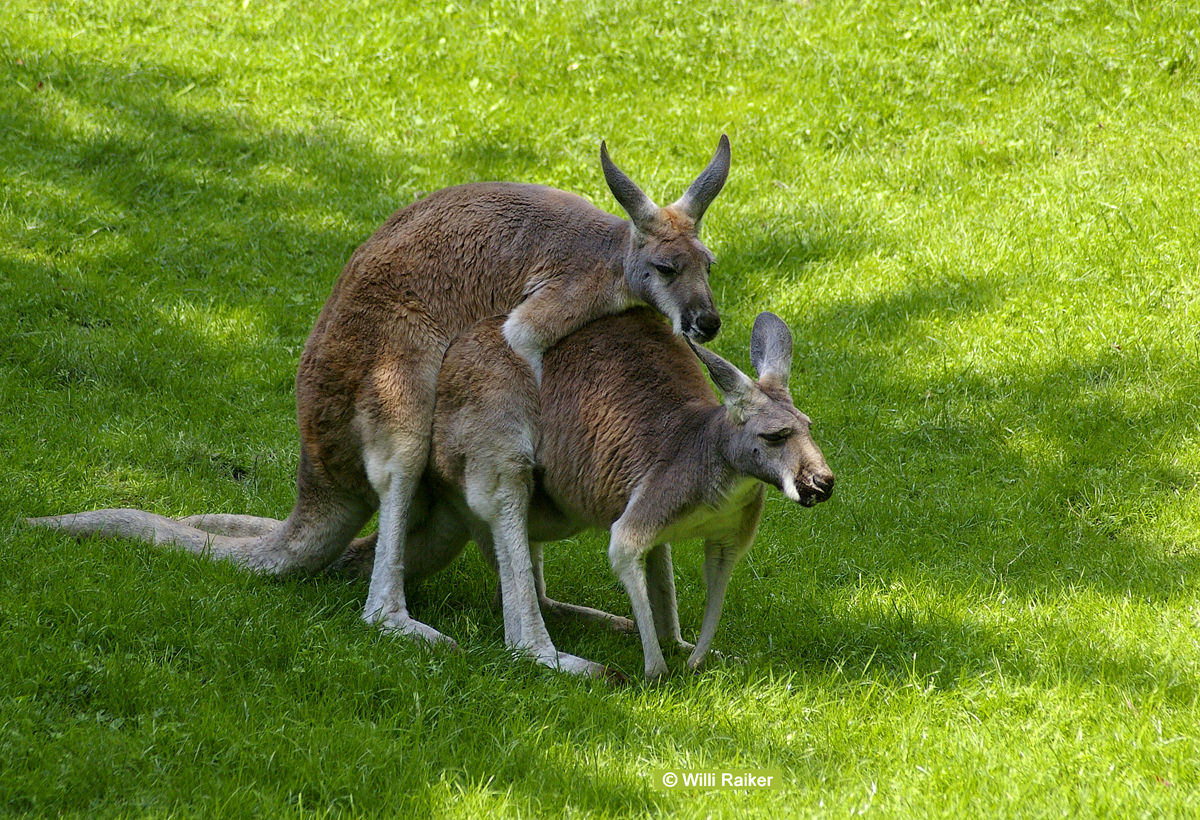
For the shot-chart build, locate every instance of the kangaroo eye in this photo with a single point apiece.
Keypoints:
(664, 270)
(778, 437)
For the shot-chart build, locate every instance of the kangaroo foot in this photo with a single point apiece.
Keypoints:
(560, 611)
(403, 624)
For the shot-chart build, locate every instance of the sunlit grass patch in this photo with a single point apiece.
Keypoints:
(979, 222)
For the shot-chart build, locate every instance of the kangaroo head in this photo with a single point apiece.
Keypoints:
(771, 440)
(666, 264)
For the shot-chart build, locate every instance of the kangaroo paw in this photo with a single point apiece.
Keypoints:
(403, 624)
(575, 665)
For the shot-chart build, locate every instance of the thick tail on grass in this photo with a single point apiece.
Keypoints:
(143, 526)
(239, 526)
(299, 544)
(249, 551)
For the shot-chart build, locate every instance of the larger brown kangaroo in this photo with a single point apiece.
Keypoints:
(367, 379)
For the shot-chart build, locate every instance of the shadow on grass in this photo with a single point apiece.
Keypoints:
(240, 217)
(498, 158)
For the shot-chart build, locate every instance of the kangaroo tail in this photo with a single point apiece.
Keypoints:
(302, 543)
(235, 525)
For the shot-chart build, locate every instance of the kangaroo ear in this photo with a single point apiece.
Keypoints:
(641, 208)
(771, 349)
(734, 385)
(704, 190)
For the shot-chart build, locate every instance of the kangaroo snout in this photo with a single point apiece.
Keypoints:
(815, 488)
(701, 326)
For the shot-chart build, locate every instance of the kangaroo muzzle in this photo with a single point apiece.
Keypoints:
(701, 326)
(814, 488)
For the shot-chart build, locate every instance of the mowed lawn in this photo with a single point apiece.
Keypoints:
(980, 221)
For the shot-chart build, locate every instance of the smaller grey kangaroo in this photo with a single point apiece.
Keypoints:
(626, 435)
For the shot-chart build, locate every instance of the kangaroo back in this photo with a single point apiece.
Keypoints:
(620, 397)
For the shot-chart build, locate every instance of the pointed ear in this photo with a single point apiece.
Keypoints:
(641, 208)
(734, 385)
(704, 190)
(771, 349)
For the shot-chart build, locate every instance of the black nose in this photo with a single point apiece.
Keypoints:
(822, 484)
(705, 327)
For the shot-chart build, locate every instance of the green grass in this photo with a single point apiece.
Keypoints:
(979, 220)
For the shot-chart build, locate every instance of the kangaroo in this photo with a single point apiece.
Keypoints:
(626, 435)
(366, 384)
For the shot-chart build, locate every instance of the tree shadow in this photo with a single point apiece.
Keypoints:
(193, 210)
(498, 157)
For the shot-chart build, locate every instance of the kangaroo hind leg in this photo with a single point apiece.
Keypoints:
(395, 422)
(485, 440)
(562, 611)
(501, 498)
(395, 473)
